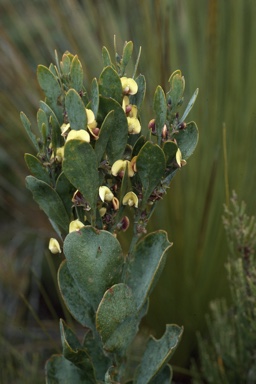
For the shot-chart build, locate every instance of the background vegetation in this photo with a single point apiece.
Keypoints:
(213, 43)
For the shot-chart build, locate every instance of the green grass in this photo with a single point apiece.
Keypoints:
(213, 43)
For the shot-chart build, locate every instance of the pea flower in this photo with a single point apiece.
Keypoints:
(179, 159)
(131, 199)
(75, 225)
(129, 86)
(134, 126)
(81, 134)
(119, 167)
(105, 193)
(54, 246)
(59, 154)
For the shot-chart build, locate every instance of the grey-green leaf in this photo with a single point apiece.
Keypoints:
(94, 259)
(187, 139)
(74, 299)
(116, 318)
(27, 125)
(110, 84)
(150, 166)
(160, 109)
(48, 83)
(80, 167)
(60, 370)
(76, 74)
(157, 353)
(146, 265)
(50, 202)
(76, 110)
(36, 168)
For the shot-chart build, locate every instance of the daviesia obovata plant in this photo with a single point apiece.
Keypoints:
(95, 174)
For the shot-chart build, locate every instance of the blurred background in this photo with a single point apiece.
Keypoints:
(213, 43)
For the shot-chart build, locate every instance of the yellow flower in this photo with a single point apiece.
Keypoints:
(134, 126)
(105, 193)
(119, 167)
(90, 116)
(64, 129)
(129, 86)
(59, 154)
(131, 199)
(81, 134)
(75, 225)
(54, 246)
(179, 159)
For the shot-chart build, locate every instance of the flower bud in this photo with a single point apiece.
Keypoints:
(115, 203)
(54, 246)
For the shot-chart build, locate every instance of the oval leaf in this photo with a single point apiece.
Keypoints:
(74, 300)
(94, 259)
(187, 139)
(76, 110)
(160, 109)
(146, 265)
(48, 83)
(110, 84)
(116, 319)
(80, 167)
(150, 166)
(76, 74)
(36, 168)
(50, 202)
(27, 125)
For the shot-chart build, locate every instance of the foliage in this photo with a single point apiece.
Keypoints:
(93, 175)
(229, 354)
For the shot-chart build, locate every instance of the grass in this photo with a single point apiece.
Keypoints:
(213, 44)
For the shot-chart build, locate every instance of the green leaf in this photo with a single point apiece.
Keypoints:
(48, 83)
(138, 98)
(157, 353)
(65, 64)
(50, 202)
(43, 124)
(116, 318)
(94, 259)
(65, 190)
(57, 139)
(170, 149)
(138, 145)
(110, 84)
(76, 74)
(187, 139)
(106, 57)
(150, 167)
(118, 132)
(164, 376)
(36, 168)
(160, 109)
(76, 110)
(27, 125)
(100, 361)
(74, 299)
(146, 265)
(104, 135)
(94, 105)
(80, 167)
(190, 105)
(177, 83)
(74, 352)
(60, 371)
(127, 53)
(49, 112)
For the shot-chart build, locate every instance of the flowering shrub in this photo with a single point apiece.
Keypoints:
(95, 174)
